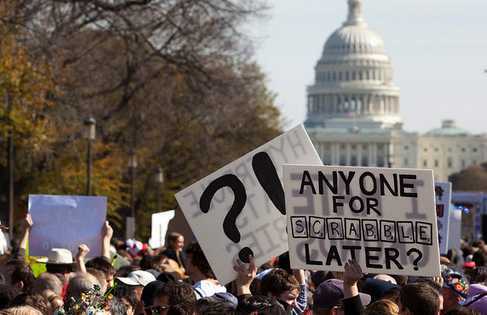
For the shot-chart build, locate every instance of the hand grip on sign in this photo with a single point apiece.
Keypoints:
(266, 174)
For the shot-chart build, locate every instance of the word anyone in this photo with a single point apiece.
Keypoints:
(367, 230)
(370, 185)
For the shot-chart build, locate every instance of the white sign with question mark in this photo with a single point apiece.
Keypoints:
(239, 210)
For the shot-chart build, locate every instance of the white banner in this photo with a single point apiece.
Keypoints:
(383, 218)
(160, 222)
(129, 228)
(443, 199)
(240, 209)
(455, 228)
(66, 222)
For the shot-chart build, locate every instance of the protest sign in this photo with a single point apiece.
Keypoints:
(129, 228)
(383, 218)
(160, 222)
(455, 228)
(66, 222)
(240, 209)
(443, 199)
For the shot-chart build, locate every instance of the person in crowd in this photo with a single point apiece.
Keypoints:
(419, 299)
(174, 250)
(459, 310)
(21, 277)
(175, 298)
(21, 310)
(476, 298)
(200, 273)
(382, 307)
(455, 289)
(47, 281)
(130, 288)
(288, 289)
(148, 293)
(335, 296)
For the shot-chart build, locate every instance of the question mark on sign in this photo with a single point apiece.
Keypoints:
(417, 259)
(240, 198)
(266, 174)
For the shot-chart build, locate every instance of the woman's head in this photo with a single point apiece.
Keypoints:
(382, 307)
(175, 241)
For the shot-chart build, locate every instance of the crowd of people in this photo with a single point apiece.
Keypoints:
(131, 278)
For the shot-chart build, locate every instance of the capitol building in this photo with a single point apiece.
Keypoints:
(353, 110)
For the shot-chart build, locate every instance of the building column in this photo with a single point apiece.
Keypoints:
(348, 148)
(359, 154)
(373, 160)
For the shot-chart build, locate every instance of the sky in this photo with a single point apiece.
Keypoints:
(438, 50)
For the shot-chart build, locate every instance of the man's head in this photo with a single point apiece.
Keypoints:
(329, 295)
(419, 299)
(197, 264)
(137, 280)
(455, 289)
(281, 285)
(176, 298)
(22, 277)
(175, 241)
(104, 266)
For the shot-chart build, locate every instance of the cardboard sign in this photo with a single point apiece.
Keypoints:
(66, 222)
(455, 228)
(160, 222)
(383, 218)
(240, 209)
(443, 199)
(129, 228)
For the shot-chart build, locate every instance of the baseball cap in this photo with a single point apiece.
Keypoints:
(330, 294)
(137, 278)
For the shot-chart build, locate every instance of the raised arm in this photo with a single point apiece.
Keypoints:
(24, 240)
(245, 277)
(83, 251)
(107, 233)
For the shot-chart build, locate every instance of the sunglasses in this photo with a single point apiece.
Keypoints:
(156, 309)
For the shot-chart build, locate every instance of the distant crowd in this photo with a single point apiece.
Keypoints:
(132, 278)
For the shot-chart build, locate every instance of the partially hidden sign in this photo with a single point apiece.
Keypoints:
(443, 199)
(160, 222)
(381, 217)
(66, 222)
(240, 209)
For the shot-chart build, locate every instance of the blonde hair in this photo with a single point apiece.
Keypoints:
(21, 310)
(382, 307)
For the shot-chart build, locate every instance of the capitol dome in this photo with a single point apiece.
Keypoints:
(353, 79)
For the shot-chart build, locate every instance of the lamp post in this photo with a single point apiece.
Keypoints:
(132, 168)
(159, 181)
(90, 124)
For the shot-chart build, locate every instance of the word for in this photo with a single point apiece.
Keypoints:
(368, 230)
(370, 184)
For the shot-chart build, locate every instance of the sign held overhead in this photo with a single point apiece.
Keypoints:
(239, 210)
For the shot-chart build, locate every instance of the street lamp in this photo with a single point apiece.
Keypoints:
(132, 164)
(90, 124)
(159, 181)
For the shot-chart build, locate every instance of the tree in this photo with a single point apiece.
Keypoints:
(171, 80)
(473, 178)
